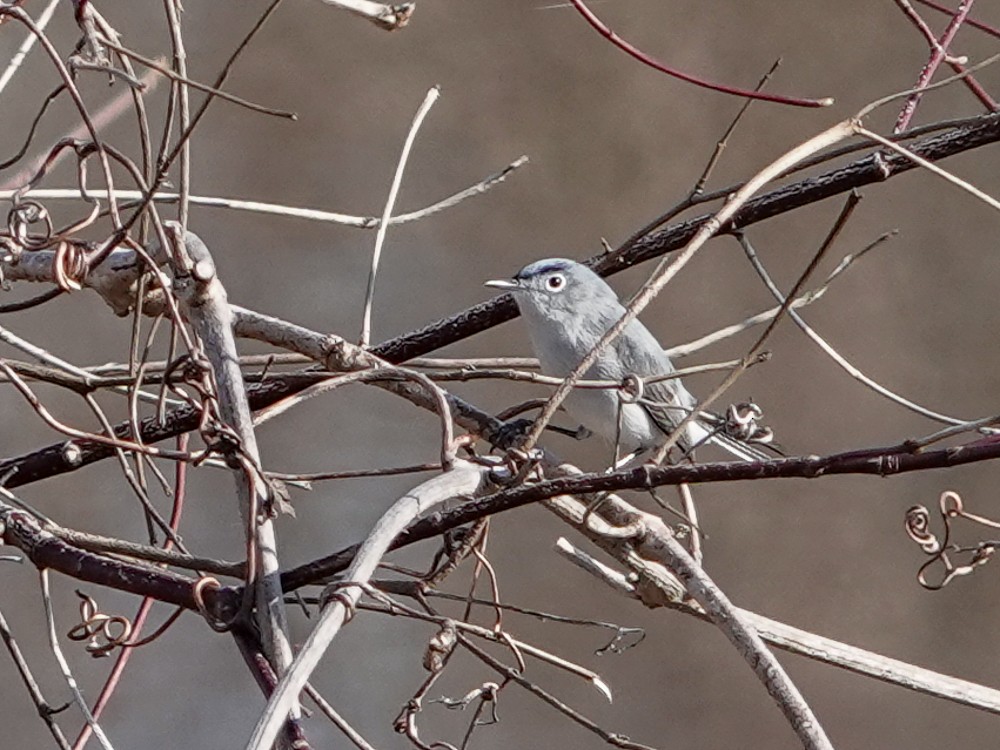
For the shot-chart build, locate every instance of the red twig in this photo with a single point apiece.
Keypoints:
(970, 82)
(991, 30)
(111, 684)
(939, 54)
(652, 62)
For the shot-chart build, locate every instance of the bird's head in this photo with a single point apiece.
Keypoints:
(557, 287)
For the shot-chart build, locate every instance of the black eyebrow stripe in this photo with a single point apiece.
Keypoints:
(553, 266)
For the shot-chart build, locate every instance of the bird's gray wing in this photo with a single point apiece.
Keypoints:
(657, 398)
(666, 401)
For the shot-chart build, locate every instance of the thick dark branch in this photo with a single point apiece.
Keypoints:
(873, 168)
(70, 455)
(43, 548)
(880, 462)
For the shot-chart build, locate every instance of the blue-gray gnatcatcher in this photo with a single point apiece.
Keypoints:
(567, 308)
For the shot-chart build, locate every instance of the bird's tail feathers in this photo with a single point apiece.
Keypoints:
(700, 434)
(739, 448)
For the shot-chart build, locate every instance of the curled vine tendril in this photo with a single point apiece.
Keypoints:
(918, 527)
(103, 633)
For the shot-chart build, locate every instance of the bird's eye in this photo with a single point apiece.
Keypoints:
(555, 282)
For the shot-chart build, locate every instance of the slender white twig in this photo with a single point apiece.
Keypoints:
(470, 192)
(27, 44)
(390, 203)
(984, 425)
(525, 376)
(592, 677)
(173, 10)
(682, 350)
(473, 363)
(81, 702)
(42, 355)
(869, 108)
(617, 581)
(294, 212)
(691, 518)
(339, 721)
(823, 344)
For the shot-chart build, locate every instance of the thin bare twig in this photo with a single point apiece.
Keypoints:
(29, 41)
(390, 203)
(183, 79)
(515, 675)
(939, 54)
(813, 295)
(991, 30)
(275, 209)
(853, 371)
(338, 721)
(989, 200)
(45, 710)
(74, 688)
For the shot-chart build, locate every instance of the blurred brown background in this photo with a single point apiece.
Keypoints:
(612, 144)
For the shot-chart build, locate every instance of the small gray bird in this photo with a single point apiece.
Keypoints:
(567, 308)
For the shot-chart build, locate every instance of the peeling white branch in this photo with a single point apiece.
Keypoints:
(205, 304)
(464, 480)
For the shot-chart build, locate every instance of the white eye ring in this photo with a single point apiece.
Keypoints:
(555, 282)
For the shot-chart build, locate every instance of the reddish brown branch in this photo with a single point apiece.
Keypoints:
(939, 53)
(652, 62)
(991, 30)
(970, 82)
(45, 550)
